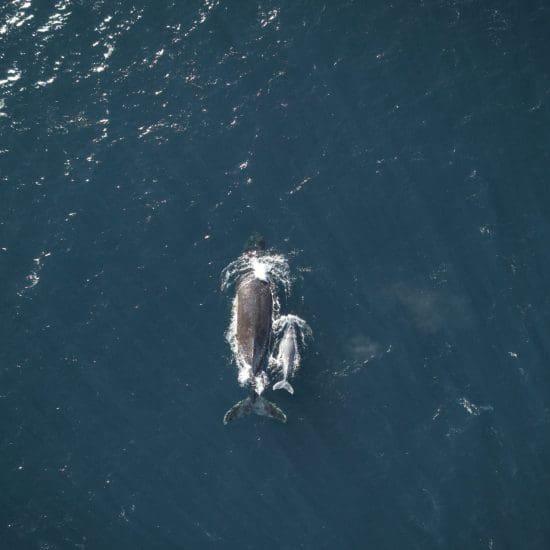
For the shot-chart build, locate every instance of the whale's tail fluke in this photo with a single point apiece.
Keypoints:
(257, 405)
(284, 385)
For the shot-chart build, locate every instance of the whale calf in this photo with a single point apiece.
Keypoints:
(288, 357)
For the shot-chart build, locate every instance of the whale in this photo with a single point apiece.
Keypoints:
(288, 358)
(294, 332)
(254, 317)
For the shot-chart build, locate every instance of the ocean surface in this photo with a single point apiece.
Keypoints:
(397, 153)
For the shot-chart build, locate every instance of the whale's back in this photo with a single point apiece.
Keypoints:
(254, 316)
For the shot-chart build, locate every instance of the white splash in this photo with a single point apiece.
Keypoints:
(261, 382)
(269, 17)
(13, 75)
(283, 323)
(19, 18)
(272, 268)
(260, 270)
(33, 277)
(58, 19)
(474, 410)
(469, 406)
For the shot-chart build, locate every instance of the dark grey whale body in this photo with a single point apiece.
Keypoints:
(254, 313)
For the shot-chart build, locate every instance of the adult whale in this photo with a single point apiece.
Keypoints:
(254, 314)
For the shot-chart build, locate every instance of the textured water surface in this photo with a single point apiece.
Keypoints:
(396, 153)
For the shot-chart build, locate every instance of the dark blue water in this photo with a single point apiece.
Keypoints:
(398, 154)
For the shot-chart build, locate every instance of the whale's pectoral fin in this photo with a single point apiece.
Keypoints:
(259, 406)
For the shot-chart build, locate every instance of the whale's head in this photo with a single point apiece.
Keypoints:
(255, 245)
